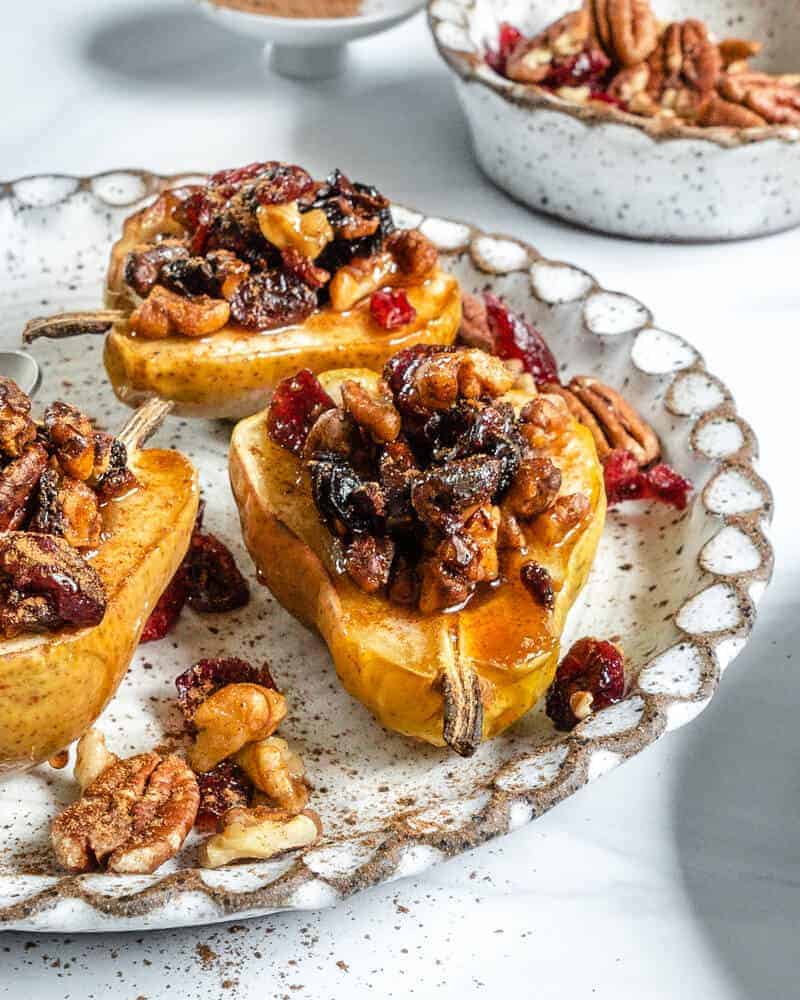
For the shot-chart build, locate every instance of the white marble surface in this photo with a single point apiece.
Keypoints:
(700, 898)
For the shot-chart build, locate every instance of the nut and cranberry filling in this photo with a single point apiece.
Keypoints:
(616, 52)
(264, 246)
(54, 477)
(426, 478)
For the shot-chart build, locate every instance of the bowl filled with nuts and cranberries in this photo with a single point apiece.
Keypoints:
(653, 119)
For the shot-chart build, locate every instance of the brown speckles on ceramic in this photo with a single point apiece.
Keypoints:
(619, 173)
(679, 589)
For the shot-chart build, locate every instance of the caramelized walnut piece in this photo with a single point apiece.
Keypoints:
(333, 432)
(92, 757)
(72, 436)
(415, 255)
(164, 312)
(360, 278)
(276, 771)
(534, 488)
(229, 718)
(443, 378)
(568, 511)
(17, 430)
(18, 483)
(368, 561)
(626, 29)
(133, 817)
(258, 833)
(376, 414)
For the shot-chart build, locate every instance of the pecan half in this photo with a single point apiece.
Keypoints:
(717, 111)
(684, 68)
(737, 50)
(413, 252)
(133, 817)
(613, 422)
(776, 101)
(627, 29)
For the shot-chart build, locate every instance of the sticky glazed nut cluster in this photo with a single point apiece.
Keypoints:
(263, 247)
(428, 477)
(55, 477)
(617, 52)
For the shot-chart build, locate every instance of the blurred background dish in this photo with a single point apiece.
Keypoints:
(601, 167)
(308, 47)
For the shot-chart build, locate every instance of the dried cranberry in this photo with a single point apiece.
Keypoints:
(45, 583)
(391, 309)
(593, 666)
(282, 183)
(626, 481)
(514, 337)
(507, 40)
(205, 677)
(213, 581)
(272, 299)
(665, 484)
(168, 608)
(589, 66)
(538, 583)
(606, 98)
(623, 478)
(347, 504)
(296, 403)
(224, 787)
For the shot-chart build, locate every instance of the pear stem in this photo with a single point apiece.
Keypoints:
(463, 708)
(71, 324)
(144, 422)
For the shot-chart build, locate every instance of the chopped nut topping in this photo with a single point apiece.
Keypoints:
(259, 833)
(164, 312)
(276, 771)
(375, 413)
(92, 757)
(416, 257)
(231, 717)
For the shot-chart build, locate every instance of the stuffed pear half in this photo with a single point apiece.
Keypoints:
(92, 529)
(216, 292)
(434, 525)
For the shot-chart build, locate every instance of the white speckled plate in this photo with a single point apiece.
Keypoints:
(680, 590)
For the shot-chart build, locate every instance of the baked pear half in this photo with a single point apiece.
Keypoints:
(216, 292)
(84, 557)
(434, 526)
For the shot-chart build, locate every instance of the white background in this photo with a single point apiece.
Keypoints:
(675, 876)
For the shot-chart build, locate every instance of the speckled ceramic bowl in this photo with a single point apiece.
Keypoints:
(680, 590)
(616, 172)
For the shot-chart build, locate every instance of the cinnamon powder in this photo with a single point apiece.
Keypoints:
(295, 8)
